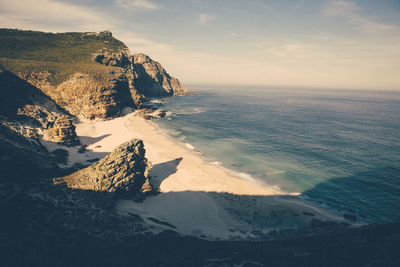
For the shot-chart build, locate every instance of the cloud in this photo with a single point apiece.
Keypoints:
(204, 18)
(340, 7)
(262, 5)
(318, 59)
(137, 4)
(331, 60)
(351, 11)
(49, 15)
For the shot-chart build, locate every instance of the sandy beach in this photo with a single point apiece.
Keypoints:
(196, 197)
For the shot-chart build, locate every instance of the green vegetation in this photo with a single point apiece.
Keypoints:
(61, 54)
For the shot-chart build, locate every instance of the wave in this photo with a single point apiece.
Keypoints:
(158, 101)
(190, 111)
(251, 179)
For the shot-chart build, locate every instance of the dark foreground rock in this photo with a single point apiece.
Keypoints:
(28, 111)
(59, 226)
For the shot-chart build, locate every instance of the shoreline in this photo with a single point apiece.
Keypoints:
(196, 197)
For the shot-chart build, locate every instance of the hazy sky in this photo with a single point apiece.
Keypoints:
(338, 43)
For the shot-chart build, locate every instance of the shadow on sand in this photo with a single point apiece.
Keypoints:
(162, 171)
(92, 140)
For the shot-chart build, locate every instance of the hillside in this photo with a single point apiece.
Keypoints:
(61, 54)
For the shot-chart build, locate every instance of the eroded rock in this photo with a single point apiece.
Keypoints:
(124, 170)
(63, 132)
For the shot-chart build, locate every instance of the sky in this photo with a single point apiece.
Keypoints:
(303, 43)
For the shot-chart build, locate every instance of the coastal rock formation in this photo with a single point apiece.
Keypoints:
(124, 170)
(92, 75)
(94, 97)
(146, 76)
(91, 95)
(152, 80)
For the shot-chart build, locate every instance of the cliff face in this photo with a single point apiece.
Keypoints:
(105, 95)
(124, 170)
(90, 97)
(147, 77)
(151, 79)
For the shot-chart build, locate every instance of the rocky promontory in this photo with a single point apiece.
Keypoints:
(91, 75)
(151, 79)
(145, 75)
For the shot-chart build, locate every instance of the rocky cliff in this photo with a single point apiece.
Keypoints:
(92, 75)
(146, 76)
(124, 170)
(151, 78)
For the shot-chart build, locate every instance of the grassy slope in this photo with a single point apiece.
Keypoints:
(61, 54)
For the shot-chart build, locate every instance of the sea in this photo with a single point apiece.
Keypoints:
(336, 148)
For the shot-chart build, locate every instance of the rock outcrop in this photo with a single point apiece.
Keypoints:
(63, 132)
(146, 76)
(152, 80)
(124, 170)
(107, 58)
(92, 97)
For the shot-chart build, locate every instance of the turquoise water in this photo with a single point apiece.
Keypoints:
(340, 149)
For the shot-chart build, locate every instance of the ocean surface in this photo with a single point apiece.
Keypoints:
(337, 148)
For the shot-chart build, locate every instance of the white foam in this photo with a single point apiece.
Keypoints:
(247, 177)
(169, 114)
(189, 146)
(158, 101)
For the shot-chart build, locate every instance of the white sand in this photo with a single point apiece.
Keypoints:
(196, 197)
